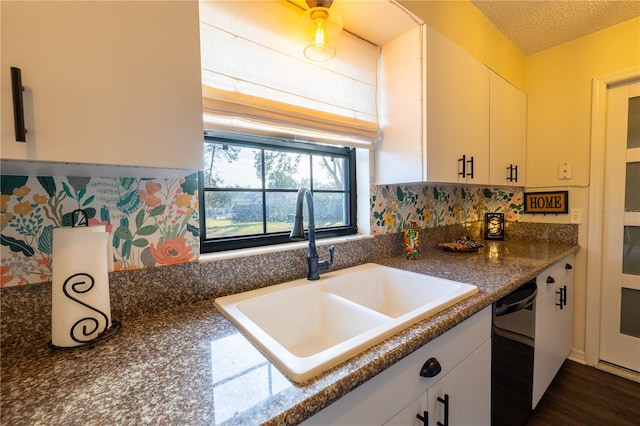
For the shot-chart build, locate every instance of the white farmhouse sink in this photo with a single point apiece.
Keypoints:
(307, 327)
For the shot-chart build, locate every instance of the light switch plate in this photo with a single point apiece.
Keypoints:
(576, 215)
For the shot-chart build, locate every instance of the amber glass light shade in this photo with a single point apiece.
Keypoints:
(320, 28)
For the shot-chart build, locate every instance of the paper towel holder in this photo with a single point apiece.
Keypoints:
(82, 221)
(106, 334)
(109, 332)
(80, 218)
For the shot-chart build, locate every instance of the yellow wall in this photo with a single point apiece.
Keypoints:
(559, 128)
(559, 108)
(463, 23)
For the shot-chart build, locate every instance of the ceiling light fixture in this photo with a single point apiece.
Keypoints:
(320, 28)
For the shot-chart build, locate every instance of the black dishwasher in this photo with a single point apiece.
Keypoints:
(512, 348)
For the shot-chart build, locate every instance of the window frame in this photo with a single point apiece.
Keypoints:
(210, 245)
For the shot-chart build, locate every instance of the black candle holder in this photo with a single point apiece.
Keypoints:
(494, 226)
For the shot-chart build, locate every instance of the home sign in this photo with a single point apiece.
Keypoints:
(556, 202)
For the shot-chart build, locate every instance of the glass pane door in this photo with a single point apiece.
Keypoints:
(620, 320)
(630, 297)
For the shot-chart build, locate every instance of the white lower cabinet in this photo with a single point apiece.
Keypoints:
(459, 398)
(554, 324)
(396, 395)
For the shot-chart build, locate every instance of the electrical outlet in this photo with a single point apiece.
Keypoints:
(576, 215)
(565, 170)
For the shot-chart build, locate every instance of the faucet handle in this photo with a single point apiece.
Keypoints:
(332, 249)
(323, 264)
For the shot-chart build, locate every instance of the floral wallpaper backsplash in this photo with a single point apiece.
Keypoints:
(155, 221)
(151, 221)
(394, 207)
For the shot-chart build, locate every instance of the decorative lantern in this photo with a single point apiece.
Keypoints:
(494, 226)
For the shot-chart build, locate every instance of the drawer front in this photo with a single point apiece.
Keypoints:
(467, 390)
(382, 397)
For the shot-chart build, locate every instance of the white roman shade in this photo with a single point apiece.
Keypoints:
(256, 80)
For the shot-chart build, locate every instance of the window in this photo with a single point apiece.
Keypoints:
(250, 183)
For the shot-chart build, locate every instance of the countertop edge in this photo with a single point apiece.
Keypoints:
(34, 378)
(403, 344)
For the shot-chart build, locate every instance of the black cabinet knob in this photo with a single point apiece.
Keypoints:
(550, 280)
(430, 368)
(568, 266)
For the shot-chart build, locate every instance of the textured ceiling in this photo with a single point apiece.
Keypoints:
(531, 25)
(536, 25)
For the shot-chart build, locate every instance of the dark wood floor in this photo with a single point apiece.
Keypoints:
(582, 395)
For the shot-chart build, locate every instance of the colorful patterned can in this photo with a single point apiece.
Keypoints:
(412, 242)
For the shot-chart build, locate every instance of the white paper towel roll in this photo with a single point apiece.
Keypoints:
(80, 294)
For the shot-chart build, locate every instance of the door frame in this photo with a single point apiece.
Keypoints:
(599, 89)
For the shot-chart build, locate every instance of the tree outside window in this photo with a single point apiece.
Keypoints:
(249, 190)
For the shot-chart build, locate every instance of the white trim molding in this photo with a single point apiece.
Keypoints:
(618, 371)
(577, 356)
(599, 87)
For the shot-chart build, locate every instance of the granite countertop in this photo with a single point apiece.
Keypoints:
(190, 365)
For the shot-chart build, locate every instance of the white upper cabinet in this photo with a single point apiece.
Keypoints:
(401, 155)
(108, 83)
(508, 134)
(434, 112)
(457, 108)
(439, 119)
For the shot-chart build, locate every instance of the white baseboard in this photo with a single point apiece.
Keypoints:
(619, 371)
(577, 356)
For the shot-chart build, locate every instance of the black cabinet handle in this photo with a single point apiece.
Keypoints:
(18, 105)
(550, 280)
(445, 401)
(513, 170)
(470, 174)
(424, 418)
(563, 297)
(430, 368)
(568, 266)
(463, 160)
